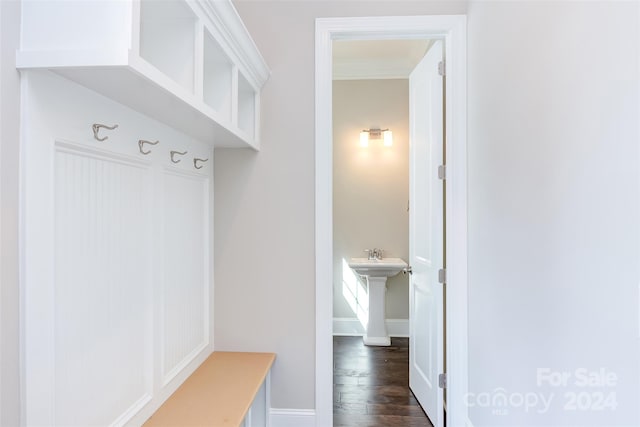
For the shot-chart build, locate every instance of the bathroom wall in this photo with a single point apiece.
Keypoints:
(370, 188)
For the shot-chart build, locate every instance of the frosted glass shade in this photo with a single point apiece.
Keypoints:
(364, 139)
(388, 138)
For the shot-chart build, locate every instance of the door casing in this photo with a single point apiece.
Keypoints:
(452, 30)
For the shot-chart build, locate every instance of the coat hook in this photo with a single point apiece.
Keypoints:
(195, 163)
(141, 144)
(173, 153)
(96, 128)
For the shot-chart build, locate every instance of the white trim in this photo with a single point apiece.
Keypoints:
(456, 220)
(132, 411)
(638, 125)
(65, 146)
(2, 334)
(350, 327)
(202, 348)
(292, 417)
(398, 327)
(324, 226)
(452, 29)
(224, 23)
(377, 341)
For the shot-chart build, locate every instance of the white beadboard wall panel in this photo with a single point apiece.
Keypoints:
(185, 291)
(102, 287)
(104, 267)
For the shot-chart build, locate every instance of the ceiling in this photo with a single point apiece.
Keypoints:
(377, 59)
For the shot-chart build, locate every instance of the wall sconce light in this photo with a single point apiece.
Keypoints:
(385, 134)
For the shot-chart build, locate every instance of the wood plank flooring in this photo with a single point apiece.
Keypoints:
(371, 385)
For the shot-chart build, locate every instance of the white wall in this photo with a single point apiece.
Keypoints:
(553, 204)
(9, 160)
(264, 214)
(370, 187)
(553, 199)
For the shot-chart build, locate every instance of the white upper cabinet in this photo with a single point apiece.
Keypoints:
(190, 64)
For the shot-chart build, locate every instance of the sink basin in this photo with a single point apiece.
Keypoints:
(385, 267)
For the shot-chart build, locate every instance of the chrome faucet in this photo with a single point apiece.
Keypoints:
(374, 253)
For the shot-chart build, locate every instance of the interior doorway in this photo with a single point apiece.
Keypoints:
(371, 180)
(451, 30)
(388, 195)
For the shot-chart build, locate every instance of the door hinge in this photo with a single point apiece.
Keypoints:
(442, 172)
(442, 68)
(442, 275)
(442, 380)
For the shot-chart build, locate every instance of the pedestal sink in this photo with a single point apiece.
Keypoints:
(376, 272)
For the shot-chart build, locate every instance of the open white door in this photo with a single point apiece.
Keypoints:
(426, 247)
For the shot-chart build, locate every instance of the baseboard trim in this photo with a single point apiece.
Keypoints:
(349, 327)
(292, 417)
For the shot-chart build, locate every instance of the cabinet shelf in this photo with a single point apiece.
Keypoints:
(191, 65)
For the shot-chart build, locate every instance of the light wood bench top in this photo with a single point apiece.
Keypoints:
(219, 393)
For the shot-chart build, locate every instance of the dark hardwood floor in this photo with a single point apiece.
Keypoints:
(371, 385)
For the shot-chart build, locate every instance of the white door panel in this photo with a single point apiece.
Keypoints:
(426, 250)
